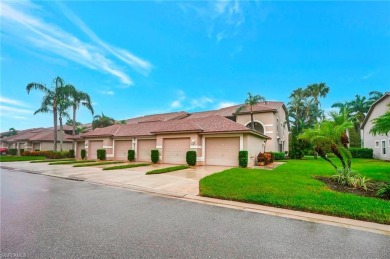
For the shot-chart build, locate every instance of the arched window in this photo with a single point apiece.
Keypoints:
(258, 126)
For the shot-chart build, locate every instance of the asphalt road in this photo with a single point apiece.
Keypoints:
(45, 217)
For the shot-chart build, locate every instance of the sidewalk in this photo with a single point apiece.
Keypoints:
(173, 186)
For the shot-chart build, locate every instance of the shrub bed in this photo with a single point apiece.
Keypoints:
(243, 158)
(131, 155)
(154, 155)
(168, 169)
(12, 151)
(361, 152)
(279, 155)
(48, 154)
(101, 154)
(191, 157)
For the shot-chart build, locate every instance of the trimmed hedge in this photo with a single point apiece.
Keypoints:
(279, 155)
(361, 152)
(71, 153)
(243, 158)
(83, 153)
(191, 157)
(101, 154)
(131, 155)
(48, 154)
(154, 155)
(12, 151)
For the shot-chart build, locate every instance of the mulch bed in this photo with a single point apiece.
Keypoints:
(372, 187)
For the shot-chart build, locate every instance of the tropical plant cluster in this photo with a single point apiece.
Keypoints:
(351, 178)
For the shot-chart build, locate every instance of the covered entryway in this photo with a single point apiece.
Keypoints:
(144, 147)
(93, 147)
(79, 146)
(121, 149)
(175, 149)
(36, 146)
(222, 151)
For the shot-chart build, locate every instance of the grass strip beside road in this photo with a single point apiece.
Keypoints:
(20, 158)
(72, 162)
(98, 163)
(53, 160)
(168, 169)
(293, 186)
(124, 166)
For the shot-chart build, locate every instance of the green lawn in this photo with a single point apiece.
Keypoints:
(72, 162)
(98, 163)
(53, 160)
(20, 158)
(292, 185)
(168, 169)
(124, 166)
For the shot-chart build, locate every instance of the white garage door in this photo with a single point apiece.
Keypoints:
(93, 147)
(144, 147)
(174, 150)
(121, 149)
(79, 147)
(222, 151)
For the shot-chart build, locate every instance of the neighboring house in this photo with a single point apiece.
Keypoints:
(35, 139)
(379, 143)
(216, 136)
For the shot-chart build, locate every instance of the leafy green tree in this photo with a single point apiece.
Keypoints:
(50, 102)
(374, 96)
(251, 101)
(12, 132)
(328, 136)
(381, 124)
(101, 121)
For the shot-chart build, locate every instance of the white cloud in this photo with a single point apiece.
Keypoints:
(14, 110)
(31, 30)
(367, 76)
(225, 104)
(13, 102)
(201, 102)
(109, 92)
(176, 104)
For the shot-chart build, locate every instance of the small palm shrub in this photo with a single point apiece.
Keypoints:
(101, 154)
(191, 157)
(131, 155)
(243, 158)
(83, 153)
(349, 177)
(384, 191)
(154, 155)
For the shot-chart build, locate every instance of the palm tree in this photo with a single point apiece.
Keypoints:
(359, 108)
(101, 121)
(374, 96)
(381, 124)
(50, 101)
(251, 101)
(78, 98)
(316, 91)
(12, 132)
(327, 135)
(63, 105)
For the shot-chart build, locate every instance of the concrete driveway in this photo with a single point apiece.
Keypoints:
(178, 183)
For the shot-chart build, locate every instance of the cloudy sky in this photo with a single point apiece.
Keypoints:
(137, 58)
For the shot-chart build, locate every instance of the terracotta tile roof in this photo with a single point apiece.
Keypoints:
(158, 117)
(138, 129)
(48, 135)
(107, 131)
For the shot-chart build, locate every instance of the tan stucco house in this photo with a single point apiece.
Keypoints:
(379, 143)
(217, 136)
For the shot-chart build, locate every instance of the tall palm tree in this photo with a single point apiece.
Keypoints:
(63, 105)
(317, 91)
(251, 101)
(374, 96)
(327, 135)
(78, 98)
(50, 101)
(359, 108)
